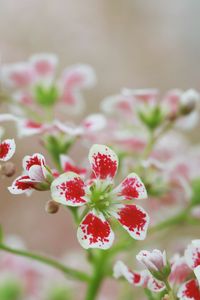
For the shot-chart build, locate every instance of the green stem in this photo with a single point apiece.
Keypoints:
(75, 274)
(169, 290)
(99, 270)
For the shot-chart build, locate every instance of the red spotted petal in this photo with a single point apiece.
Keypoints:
(35, 166)
(79, 76)
(69, 189)
(95, 232)
(136, 278)
(28, 127)
(7, 149)
(22, 184)
(133, 219)
(132, 188)
(44, 63)
(155, 285)
(189, 291)
(104, 161)
(68, 165)
(192, 254)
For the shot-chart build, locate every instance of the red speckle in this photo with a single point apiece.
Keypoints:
(196, 258)
(74, 190)
(130, 188)
(136, 278)
(43, 67)
(34, 160)
(32, 124)
(4, 149)
(104, 166)
(71, 168)
(192, 290)
(132, 218)
(21, 185)
(95, 229)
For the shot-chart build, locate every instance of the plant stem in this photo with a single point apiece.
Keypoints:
(169, 290)
(97, 277)
(75, 274)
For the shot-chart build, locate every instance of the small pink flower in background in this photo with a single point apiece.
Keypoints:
(68, 165)
(36, 175)
(102, 200)
(153, 261)
(7, 149)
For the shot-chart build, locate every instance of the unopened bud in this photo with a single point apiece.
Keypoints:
(8, 169)
(189, 102)
(52, 207)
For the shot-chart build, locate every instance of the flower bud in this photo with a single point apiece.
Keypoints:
(155, 262)
(52, 207)
(8, 169)
(188, 102)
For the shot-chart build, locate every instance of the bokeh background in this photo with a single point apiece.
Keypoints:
(130, 43)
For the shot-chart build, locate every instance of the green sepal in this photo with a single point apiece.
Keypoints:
(46, 96)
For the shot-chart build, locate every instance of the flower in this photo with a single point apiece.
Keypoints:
(138, 278)
(153, 261)
(7, 149)
(37, 175)
(102, 201)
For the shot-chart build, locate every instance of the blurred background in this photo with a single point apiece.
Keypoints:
(130, 43)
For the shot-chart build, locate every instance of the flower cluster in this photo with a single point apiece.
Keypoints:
(179, 277)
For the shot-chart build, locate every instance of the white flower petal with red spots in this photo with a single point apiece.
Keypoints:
(135, 278)
(44, 64)
(79, 76)
(133, 219)
(7, 149)
(17, 75)
(29, 128)
(155, 285)
(197, 274)
(179, 270)
(94, 122)
(72, 131)
(131, 188)
(119, 104)
(95, 232)
(189, 291)
(192, 254)
(34, 166)
(68, 165)
(69, 189)
(21, 184)
(103, 161)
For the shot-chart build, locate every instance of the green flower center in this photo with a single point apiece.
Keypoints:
(100, 197)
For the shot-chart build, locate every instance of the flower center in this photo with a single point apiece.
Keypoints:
(100, 197)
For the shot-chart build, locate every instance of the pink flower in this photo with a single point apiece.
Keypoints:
(36, 175)
(153, 261)
(7, 149)
(102, 201)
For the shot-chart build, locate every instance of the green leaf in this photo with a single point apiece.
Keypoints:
(1, 234)
(59, 293)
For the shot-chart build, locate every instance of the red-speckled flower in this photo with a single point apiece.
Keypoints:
(7, 149)
(36, 175)
(102, 200)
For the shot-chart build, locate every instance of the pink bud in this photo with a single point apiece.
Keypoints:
(153, 261)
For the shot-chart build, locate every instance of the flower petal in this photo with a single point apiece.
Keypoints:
(68, 165)
(132, 188)
(103, 161)
(94, 122)
(189, 291)
(44, 63)
(7, 149)
(155, 285)
(192, 254)
(136, 278)
(95, 232)
(79, 76)
(28, 127)
(21, 184)
(69, 189)
(134, 220)
(34, 165)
